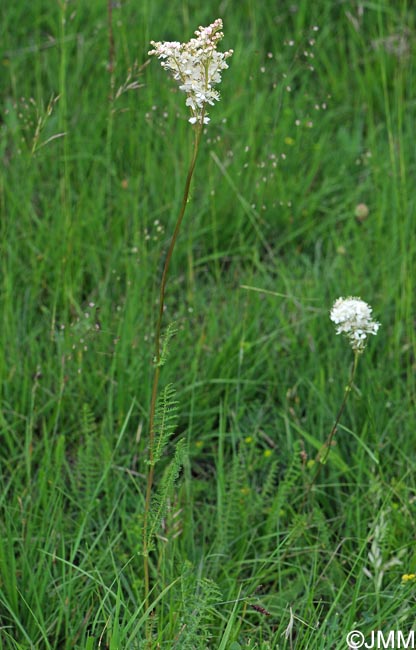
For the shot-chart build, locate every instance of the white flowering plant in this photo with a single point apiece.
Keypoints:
(196, 66)
(353, 318)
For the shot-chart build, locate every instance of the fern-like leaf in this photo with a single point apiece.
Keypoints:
(233, 512)
(170, 332)
(165, 421)
(93, 455)
(197, 602)
(160, 501)
(268, 489)
(88, 421)
(283, 490)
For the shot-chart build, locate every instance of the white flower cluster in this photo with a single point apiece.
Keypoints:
(353, 318)
(197, 66)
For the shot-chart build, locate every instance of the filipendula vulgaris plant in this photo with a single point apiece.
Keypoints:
(353, 318)
(197, 67)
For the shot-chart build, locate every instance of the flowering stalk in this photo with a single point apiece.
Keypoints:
(352, 317)
(156, 374)
(197, 66)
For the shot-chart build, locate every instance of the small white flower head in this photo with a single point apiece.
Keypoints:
(353, 318)
(196, 66)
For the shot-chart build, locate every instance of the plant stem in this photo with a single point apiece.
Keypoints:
(322, 455)
(328, 443)
(156, 375)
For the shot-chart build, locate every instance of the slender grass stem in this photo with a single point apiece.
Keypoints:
(65, 190)
(156, 375)
(111, 47)
(110, 120)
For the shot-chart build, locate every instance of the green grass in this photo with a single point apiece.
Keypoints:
(259, 372)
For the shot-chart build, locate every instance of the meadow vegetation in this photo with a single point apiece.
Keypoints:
(303, 192)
